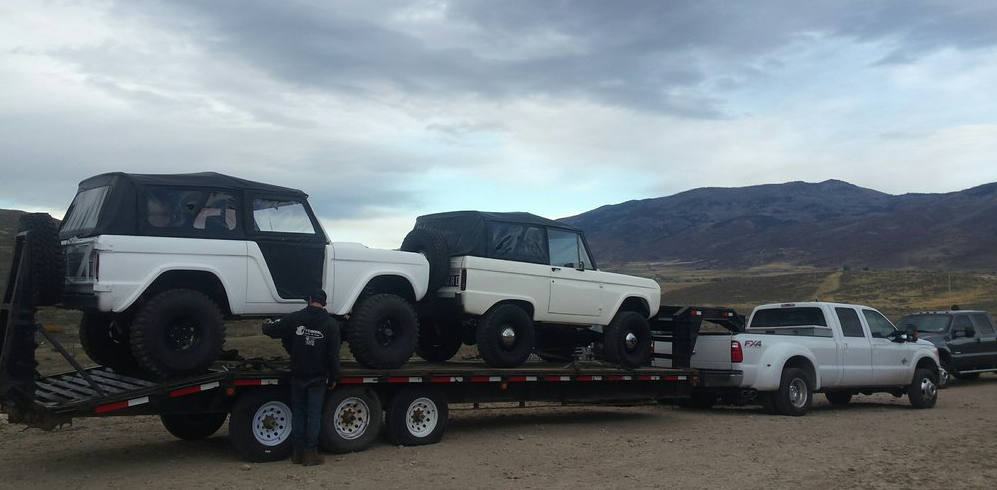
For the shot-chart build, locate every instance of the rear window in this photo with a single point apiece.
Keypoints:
(83, 213)
(788, 317)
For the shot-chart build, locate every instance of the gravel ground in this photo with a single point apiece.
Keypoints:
(877, 442)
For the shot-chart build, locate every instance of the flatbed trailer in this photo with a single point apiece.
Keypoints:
(411, 402)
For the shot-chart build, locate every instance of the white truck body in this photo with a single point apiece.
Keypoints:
(840, 347)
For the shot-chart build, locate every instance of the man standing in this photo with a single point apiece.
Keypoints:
(311, 337)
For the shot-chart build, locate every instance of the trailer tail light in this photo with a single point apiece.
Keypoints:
(736, 354)
(463, 279)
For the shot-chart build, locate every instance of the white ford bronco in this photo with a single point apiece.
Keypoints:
(155, 262)
(518, 283)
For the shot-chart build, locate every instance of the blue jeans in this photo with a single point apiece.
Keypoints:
(306, 413)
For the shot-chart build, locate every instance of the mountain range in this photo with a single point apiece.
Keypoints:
(831, 223)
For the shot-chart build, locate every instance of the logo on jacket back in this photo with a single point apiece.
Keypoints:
(309, 334)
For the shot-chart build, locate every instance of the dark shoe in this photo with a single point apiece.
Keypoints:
(312, 458)
(297, 456)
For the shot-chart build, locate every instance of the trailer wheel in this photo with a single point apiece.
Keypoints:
(435, 249)
(383, 331)
(193, 426)
(923, 390)
(260, 426)
(627, 340)
(178, 332)
(104, 337)
(351, 420)
(795, 394)
(505, 336)
(838, 397)
(416, 417)
(438, 341)
(45, 259)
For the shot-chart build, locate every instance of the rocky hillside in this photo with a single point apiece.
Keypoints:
(831, 223)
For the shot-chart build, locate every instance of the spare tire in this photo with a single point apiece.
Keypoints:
(45, 259)
(434, 247)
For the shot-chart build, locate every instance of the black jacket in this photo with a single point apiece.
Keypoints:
(311, 337)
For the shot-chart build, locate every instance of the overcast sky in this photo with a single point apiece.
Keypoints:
(386, 110)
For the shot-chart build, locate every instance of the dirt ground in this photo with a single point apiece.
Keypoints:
(877, 442)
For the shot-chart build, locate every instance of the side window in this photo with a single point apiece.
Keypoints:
(850, 324)
(279, 216)
(218, 213)
(960, 322)
(879, 326)
(169, 207)
(982, 323)
(564, 250)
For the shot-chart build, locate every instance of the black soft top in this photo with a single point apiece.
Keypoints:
(200, 179)
(512, 236)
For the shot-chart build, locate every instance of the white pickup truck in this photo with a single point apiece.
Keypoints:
(788, 352)
(155, 262)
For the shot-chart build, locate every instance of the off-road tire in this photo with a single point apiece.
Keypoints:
(177, 333)
(45, 258)
(795, 395)
(416, 416)
(193, 426)
(435, 249)
(923, 390)
(105, 339)
(838, 397)
(619, 348)
(438, 341)
(260, 425)
(383, 331)
(352, 418)
(494, 350)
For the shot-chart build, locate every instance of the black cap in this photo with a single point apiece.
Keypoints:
(317, 296)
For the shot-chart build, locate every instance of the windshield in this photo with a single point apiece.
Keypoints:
(81, 218)
(930, 323)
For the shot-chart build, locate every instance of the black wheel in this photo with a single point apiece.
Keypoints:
(699, 400)
(944, 375)
(838, 397)
(260, 425)
(177, 332)
(627, 340)
(505, 336)
(45, 259)
(104, 337)
(193, 426)
(383, 331)
(351, 420)
(416, 417)
(438, 341)
(795, 395)
(923, 390)
(434, 247)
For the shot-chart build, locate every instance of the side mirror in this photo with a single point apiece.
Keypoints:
(898, 336)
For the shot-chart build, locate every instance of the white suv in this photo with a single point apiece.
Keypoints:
(156, 261)
(519, 283)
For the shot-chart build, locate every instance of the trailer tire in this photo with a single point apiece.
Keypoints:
(505, 336)
(260, 425)
(627, 340)
(438, 341)
(795, 395)
(351, 420)
(178, 332)
(437, 253)
(417, 417)
(105, 339)
(383, 331)
(45, 258)
(923, 390)
(838, 397)
(193, 426)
